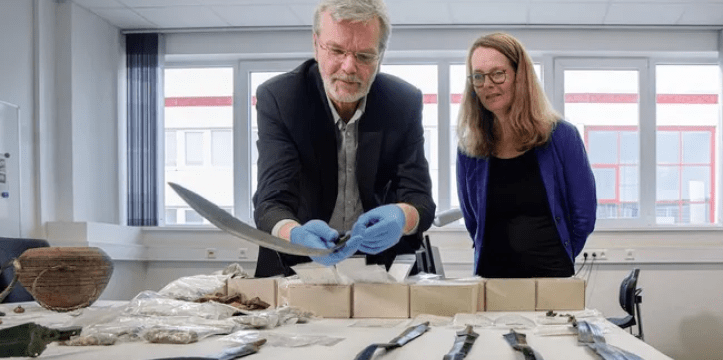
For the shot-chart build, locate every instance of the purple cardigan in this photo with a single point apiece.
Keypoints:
(568, 181)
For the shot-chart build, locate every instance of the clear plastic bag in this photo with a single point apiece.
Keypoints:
(476, 320)
(192, 288)
(282, 339)
(514, 321)
(149, 303)
(268, 319)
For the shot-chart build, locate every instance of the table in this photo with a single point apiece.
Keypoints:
(357, 334)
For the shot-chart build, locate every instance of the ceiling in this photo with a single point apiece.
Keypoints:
(184, 14)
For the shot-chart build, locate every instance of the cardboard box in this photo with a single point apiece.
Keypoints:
(380, 300)
(263, 288)
(560, 294)
(510, 294)
(329, 301)
(481, 298)
(443, 298)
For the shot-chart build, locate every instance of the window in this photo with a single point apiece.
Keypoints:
(681, 117)
(221, 148)
(198, 129)
(688, 114)
(425, 78)
(211, 146)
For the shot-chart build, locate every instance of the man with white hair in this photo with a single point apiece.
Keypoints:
(341, 147)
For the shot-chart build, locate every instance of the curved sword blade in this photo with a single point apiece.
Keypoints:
(227, 222)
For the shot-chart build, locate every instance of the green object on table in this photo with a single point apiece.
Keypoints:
(30, 339)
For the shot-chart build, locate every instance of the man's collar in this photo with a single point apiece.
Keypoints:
(357, 114)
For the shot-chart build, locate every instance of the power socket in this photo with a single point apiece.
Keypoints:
(597, 254)
(243, 253)
(629, 254)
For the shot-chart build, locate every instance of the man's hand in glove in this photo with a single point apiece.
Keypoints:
(317, 234)
(379, 228)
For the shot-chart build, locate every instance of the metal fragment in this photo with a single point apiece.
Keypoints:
(406, 336)
(462, 344)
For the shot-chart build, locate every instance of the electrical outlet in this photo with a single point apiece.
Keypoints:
(602, 254)
(242, 253)
(597, 254)
(629, 254)
(210, 253)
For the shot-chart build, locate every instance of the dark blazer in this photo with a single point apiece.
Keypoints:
(297, 165)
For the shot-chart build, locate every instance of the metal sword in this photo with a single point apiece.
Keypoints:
(227, 222)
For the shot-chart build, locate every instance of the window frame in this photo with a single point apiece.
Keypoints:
(552, 64)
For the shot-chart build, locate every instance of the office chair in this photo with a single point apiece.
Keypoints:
(11, 248)
(630, 300)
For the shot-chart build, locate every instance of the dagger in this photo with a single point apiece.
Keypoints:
(232, 225)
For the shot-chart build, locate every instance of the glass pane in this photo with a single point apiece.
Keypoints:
(425, 78)
(688, 117)
(222, 148)
(170, 218)
(604, 105)
(257, 78)
(198, 107)
(171, 148)
(668, 178)
(192, 217)
(696, 147)
(629, 184)
(457, 79)
(194, 148)
(605, 183)
(629, 147)
(668, 147)
(602, 147)
(696, 183)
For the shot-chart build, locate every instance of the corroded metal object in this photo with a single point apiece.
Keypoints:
(462, 344)
(592, 335)
(64, 278)
(408, 335)
(227, 222)
(30, 339)
(518, 342)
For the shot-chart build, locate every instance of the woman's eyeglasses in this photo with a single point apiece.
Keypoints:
(478, 79)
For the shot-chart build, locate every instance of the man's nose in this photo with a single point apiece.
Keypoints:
(348, 63)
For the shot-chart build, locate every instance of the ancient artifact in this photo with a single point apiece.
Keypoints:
(63, 278)
(227, 222)
(30, 339)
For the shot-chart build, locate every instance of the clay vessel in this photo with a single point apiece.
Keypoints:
(64, 278)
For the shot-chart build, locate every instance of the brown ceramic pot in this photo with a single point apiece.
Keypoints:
(64, 278)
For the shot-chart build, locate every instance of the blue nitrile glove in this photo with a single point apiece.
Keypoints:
(380, 228)
(317, 234)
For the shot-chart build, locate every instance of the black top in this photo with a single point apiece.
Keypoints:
(521, 239)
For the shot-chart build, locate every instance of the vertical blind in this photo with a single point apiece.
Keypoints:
(142, 62)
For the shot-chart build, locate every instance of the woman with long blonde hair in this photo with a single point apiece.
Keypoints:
(526, 188)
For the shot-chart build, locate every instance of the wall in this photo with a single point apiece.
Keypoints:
(64, 68)
(16, 87)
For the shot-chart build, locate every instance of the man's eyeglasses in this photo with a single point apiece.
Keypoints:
(339, 54)
(497, 77)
